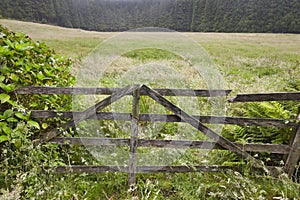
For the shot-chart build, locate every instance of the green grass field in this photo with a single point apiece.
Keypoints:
(249, 63)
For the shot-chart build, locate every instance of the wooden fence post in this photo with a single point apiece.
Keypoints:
(134, 138)
(294, 154)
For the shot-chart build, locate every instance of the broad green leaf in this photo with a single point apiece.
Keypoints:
(6, 130)
(2, 85)
(8, 88)
(4, 97)
(23, 47)
(14, 77)
(2, 123)
(12, 120)
(3, 138)
(6, 52)
(2, 78)
(2, 51)
(9, 43)
(34, 105)
(44, 125)
(8, 113)
(13, 103)
(34, 124)
(20, 115)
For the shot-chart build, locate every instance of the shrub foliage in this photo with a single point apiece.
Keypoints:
(24, 62)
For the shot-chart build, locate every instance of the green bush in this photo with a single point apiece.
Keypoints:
(24, 62)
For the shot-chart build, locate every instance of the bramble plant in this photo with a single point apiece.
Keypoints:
(24, 62)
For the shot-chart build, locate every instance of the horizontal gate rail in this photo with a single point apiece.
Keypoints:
(141, 169)
(280, 96)
(110, 91)
(37, 114)
(192, 144)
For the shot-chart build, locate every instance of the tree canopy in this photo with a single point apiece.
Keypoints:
(278, 16)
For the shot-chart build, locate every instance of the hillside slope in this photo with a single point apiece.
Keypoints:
(66, 41)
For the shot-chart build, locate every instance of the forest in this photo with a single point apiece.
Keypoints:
(277, 16)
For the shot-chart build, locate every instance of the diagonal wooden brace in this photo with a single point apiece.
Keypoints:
(198, 125)
(89, 112)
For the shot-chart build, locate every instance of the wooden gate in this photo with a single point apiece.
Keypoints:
(291, 151)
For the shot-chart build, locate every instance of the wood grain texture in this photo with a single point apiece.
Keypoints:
(133, 143)
(281, 96)
(37, 114)
(140, 169)
(110, 91)
(192, 144)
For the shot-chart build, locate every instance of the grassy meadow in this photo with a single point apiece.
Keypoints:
(249, 63)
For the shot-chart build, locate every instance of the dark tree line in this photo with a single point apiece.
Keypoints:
(279, 16)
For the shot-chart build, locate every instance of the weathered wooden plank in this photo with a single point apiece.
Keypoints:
(44, 114)
(89, 112)
(90, 141)
(189, 92)
(65, 90)
(109, 91)
(90, 169)
(265, 148)
(134, 137)
(36, 114)
(198, 125)
(281, 96)
(243, 121)
(165, 92)
(141, 169)
(181, 169)
(294, 154)
(192, 144)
